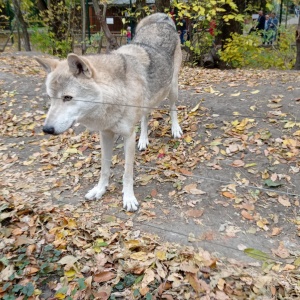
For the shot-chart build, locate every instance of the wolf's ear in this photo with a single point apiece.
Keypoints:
(47, 63)
(78, 65)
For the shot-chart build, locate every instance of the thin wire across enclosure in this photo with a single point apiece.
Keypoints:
(11, 94)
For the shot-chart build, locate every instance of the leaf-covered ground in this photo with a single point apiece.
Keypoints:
(224, 199)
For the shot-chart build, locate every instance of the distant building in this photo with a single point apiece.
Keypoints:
(113, 15)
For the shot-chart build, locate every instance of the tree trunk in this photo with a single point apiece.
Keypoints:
(41, 5)
(111, 40)
(226, 29)
(161, 5)
(57, 17)
(22, 23)
(83, 36)
(297, 64)
(101, 31)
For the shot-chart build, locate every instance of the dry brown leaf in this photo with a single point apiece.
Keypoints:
(284, 201)
(104, 276)
(192, 189)
(276, 231)
(238, 163)
(228, 195)
(281, 251)
(194, 213)
(246, 215)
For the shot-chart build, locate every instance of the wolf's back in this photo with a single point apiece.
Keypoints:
(155, 18)
(157, 32)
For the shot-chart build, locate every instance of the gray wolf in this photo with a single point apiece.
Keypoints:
(112, 92)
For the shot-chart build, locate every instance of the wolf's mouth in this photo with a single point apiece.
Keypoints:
(51, 129)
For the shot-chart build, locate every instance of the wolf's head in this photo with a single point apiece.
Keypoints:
(71, 86)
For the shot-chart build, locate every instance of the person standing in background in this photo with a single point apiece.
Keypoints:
(182, 30)
(260, 25)
(128, 34)
(266, 33)
(273, 26)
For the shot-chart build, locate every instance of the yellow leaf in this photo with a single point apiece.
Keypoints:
(255, 92)
(262, 224)
(132, 244)
(242, 125)
(290, 142)
(223, 152)
(289, 124)
(161, 255)
(31, 126)
(142, 256)
(71, 150)
(196, 107)
(250, 165)
(296, 133)
(70, 274)
(188, 139)
(235, 95)
(78, 165)
(235, 123)
(211, 90)
(72, 223)
(155, 124)
(60, 296)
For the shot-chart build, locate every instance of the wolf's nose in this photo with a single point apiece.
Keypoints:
(48, 129)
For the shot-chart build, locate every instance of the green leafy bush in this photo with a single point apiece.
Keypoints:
(246, 51)
(44, 40)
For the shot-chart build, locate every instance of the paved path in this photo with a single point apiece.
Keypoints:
(291, 21)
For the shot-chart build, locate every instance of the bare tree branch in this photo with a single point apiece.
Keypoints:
(111, 40)
(23, 24)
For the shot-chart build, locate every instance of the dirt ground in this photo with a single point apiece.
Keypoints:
(230, 183)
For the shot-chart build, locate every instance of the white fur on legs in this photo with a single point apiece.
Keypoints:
(176, 129)
(129, 201)
(107, 141)
(143, 140)
(173, 97)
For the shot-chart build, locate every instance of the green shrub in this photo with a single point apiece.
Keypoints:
(44, 40)
(246, 51)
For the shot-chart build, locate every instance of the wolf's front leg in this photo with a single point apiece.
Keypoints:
(143, 140)
(107, 141)
(129, 201)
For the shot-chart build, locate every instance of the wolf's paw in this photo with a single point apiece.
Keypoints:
(95, 193)
(130, 203)
(176, 131)
(143, 143)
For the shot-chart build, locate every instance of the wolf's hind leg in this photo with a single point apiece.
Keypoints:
(129, 201)
(143, 140)
(107, 141)
(173, 97)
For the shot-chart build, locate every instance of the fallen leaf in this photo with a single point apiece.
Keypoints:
(284, 201)
(228, 195)
(194, 213)
(257, 254)
(192, 189)
(104, 276)
(246, 215)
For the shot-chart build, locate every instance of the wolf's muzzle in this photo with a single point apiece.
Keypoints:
(49, 129)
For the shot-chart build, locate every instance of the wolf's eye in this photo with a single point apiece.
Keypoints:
(67, 98)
